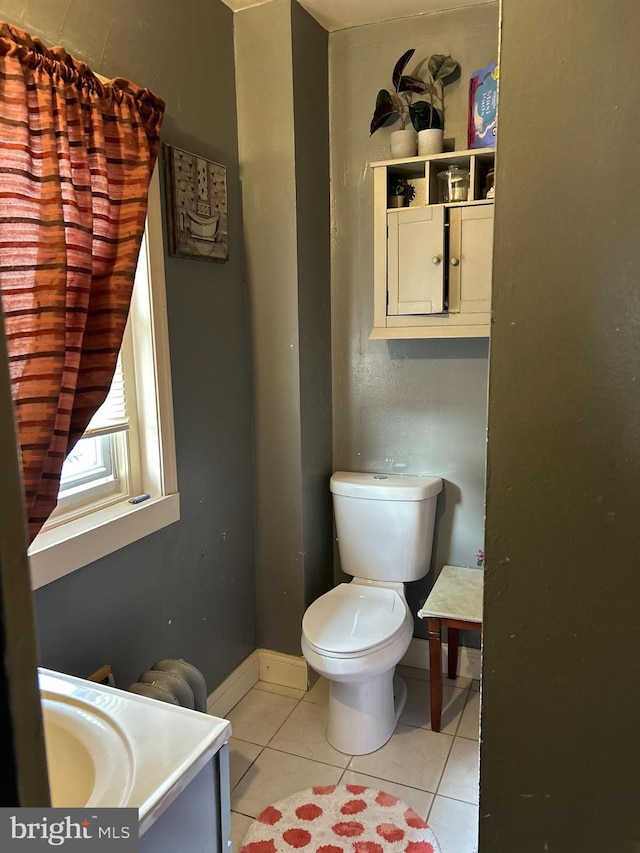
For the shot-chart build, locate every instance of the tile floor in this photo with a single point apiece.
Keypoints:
(279, 747)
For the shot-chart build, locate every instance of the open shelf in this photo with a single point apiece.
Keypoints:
(423, 173)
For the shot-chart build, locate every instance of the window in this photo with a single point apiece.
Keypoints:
(104, 466)
(128, 450)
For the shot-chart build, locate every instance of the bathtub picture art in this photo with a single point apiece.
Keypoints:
(196, 206)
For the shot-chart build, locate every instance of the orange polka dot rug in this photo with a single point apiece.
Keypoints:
(339, 819)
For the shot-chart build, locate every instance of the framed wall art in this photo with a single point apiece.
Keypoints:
(196, 190)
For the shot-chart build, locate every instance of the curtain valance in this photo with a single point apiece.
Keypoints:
(32, 53)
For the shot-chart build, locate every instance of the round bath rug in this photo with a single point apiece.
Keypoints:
(339, 819)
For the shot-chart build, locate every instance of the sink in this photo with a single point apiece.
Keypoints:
(89, 757)
(107, 747)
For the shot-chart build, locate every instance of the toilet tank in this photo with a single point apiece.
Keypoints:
(385, 524)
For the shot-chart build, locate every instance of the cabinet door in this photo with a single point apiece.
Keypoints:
(415, 261)
(470, 259)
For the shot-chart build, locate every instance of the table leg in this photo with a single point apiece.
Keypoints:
(435, 672)
(453, 636)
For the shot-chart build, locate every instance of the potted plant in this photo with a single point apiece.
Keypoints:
(393, 106)
(401, 192)
(426, 118)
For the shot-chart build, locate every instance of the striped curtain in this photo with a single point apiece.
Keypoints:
(76, 157)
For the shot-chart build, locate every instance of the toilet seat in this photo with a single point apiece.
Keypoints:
(353, 620)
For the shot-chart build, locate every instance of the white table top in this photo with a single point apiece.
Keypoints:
(457, 594)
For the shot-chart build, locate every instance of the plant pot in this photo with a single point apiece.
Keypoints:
(404, 143)
(429, 142)
(396, 201)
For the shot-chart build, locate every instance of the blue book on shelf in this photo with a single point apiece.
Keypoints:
(483, 107)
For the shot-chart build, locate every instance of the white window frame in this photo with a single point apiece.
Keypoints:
(61, 550)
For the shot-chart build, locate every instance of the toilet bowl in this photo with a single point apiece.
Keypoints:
(355, 634)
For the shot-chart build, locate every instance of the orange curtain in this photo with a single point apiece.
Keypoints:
(76, 157)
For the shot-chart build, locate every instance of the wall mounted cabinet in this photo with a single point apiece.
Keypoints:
(432, 260)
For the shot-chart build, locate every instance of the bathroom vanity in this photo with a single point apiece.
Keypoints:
(107, 747)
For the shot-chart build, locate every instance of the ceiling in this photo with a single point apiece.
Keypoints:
(340, 14)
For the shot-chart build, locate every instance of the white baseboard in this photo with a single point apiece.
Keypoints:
(469, 661)
(261, 665)
(286, 670)
(291, 671)
(233, 688)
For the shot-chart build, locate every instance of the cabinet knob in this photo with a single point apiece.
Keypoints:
(436, 260)
(455, 262)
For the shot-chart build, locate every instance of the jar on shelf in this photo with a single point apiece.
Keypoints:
(454, 184)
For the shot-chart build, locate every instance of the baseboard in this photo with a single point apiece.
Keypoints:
(469, 661)
(286, 670)
(237, 685)
(291, 671)
(261, 665)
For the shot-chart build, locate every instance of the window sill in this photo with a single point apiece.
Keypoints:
(60, 551)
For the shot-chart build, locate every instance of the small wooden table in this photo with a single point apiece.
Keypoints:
(454, 603)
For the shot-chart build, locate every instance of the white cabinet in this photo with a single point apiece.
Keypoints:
(415, 261)
(433, 260)
(470, 259)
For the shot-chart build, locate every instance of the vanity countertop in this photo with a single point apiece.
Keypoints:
(169, 745)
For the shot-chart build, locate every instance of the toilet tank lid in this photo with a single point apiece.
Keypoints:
(385, 487)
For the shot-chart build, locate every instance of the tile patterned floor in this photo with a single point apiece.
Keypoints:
(279, 747)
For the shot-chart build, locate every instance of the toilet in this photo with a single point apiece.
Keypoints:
(355, 634)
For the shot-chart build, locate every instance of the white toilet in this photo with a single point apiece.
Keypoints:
(356, 634)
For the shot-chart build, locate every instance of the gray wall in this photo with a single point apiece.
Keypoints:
(266, 146)
(310, 55)
(281, 61)
(413, 407)
(188, 590)
(560, 708)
